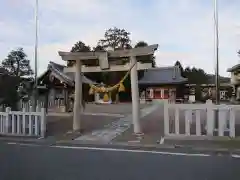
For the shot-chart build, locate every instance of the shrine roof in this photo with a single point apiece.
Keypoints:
(234, 68)
(162, 75)
(68, 78)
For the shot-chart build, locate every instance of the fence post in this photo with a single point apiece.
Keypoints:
(221, 123)
(232, 123)
(58, 103)
(38, 108)
(43, 122)
(210, 117)
(24, 121)
(8, 109)
(166, 118)
(31, 109)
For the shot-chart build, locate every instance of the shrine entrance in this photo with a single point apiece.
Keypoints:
(107, 61)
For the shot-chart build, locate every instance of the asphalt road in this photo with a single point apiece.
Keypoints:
(52, 163)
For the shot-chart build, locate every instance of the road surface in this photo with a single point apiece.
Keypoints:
(64, 163)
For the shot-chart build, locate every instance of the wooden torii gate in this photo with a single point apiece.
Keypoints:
(105, 65)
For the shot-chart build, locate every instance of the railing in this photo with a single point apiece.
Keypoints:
(51, 104)
(22, 123)
(199, 119)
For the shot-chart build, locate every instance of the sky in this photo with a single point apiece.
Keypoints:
(183, 29)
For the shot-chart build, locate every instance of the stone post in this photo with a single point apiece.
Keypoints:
(77, 96)
(135, 96)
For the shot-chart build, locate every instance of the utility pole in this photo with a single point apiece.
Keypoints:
(36, 56)
(216, 45)
(216, 51)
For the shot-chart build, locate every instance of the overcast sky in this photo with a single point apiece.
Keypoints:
(182, 28)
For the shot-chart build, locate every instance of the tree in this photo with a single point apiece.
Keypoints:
(116, 38)
(141, 44)
(17, 63)
(98, 48)
(80, 47)
(196, 76)
(146, 59)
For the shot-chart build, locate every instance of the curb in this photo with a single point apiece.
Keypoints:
(153, 147)
(38, 141)
(131, 146)
(184, 148)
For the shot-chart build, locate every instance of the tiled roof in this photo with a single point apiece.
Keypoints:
(234, 68)
(163, 75)
(68, 78)
(211, 79)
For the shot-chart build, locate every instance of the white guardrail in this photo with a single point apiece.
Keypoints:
(199, 119)
(23, 123)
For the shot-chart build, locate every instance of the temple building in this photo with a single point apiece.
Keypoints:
(163, 83)
(235, 80)
(54, 84)
(202, 92)
(154, 83)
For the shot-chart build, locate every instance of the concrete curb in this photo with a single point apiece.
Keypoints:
(123, 145)
(39, 141)
(182, 147)
(153, 147)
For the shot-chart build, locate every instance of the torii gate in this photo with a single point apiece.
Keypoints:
(103, 58)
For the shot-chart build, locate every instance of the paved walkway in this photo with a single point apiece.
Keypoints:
(152, 126)
(116, 128)
(59, 126)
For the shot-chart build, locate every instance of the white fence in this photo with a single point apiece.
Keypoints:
(51, 104)
(199, 119)
(22, 123)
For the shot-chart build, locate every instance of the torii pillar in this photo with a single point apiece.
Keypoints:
(79, 57)
(135, 96)
(77, 97)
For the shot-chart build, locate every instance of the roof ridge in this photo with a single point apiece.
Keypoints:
(53, 63)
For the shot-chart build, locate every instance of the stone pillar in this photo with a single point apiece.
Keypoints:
(192, 97)
(135, 96)
(233, 97)
(66, 101)
(46, 100)
(77, 96)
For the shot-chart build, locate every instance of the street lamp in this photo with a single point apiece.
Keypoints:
(216, 35)
(216, 38)
(36, 55)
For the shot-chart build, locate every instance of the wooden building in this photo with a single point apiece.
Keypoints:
(163, 83)
(202, 92)
(235, 81)
(54, 84)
